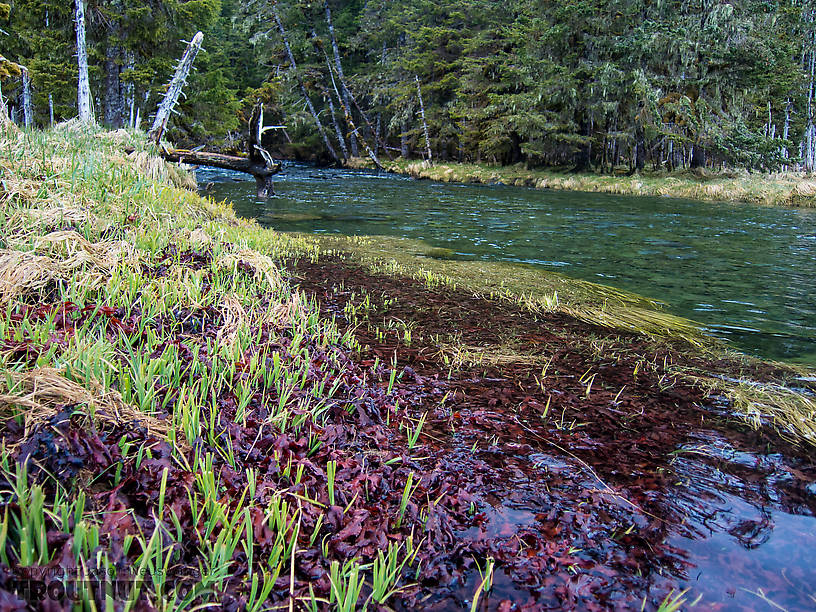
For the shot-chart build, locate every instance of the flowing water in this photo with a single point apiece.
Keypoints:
(748, 273)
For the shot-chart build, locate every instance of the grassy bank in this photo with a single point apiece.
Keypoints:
(217, 414)
(780, 189)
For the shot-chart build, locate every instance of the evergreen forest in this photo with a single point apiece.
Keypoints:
(582, 84)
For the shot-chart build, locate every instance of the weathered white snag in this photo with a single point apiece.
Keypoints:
(83, 84)
(339, 65)
(175, 87)
(424, 123)
(28, 113)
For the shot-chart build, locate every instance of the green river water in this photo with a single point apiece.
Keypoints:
(747, 273)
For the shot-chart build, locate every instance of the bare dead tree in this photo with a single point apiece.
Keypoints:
(422, 115)
(50, 95)
(339, 66)
(175, 87)
(83, 83)
(28, 111)
(347, 114)
(337, 131)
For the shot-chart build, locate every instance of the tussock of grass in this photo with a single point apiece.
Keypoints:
(39, 394)
(782, 189)
(57, 257)
(35, 219)
(789, 411)
(264, 269)
(156, 169)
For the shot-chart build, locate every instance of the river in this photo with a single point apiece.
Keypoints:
(747, 273)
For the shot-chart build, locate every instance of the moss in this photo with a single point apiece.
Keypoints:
(440, 253)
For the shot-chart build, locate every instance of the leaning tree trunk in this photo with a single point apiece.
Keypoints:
(377, 132)
(350, 121)
(337, 131)
(339, 66)
(175, 87)
(304, 93)
(83, 84)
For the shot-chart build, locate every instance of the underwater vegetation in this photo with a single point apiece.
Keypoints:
(197, 411)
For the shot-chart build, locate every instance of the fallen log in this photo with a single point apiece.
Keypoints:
(263, 173)
(257, 162)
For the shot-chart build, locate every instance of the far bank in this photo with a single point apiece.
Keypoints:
(777, 189)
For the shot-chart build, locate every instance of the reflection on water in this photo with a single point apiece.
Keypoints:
(747, 272)
(749, 529)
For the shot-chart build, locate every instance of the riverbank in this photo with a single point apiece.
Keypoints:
(779, 189)
(251, 419)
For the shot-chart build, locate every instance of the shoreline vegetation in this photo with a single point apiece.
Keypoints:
(775, 189)
(253, 419)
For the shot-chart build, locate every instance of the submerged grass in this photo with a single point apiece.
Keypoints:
(526, 285)
(133, 310)
(782, 189)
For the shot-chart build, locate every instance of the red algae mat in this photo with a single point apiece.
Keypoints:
(619, 494)
(592, 477)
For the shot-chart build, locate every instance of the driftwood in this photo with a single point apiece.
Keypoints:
(258, 162)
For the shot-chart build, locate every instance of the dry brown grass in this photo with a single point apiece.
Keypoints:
(54, 216)
(64, 255)
(16, 188)
(283, 313)
(496, 355)
(234, 318)
(199, 238)
(74, 125)
(39, 394)
(263, 266)
(156, 169)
